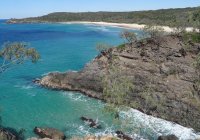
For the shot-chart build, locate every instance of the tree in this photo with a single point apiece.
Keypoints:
(16, 53)
(102, 47)
(153, 31)
(196, 19)
(116, 89)
(129, 37)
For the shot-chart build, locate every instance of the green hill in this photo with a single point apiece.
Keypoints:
(157, 17)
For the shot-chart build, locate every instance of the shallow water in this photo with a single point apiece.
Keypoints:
(62, 48)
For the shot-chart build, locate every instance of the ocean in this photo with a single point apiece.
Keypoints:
(63, 47)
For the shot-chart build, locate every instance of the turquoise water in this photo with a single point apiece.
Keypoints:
(62, 48)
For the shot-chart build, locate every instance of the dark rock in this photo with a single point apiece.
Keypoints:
(91, 122)
(5, 134)
(50, 133)
(169, 137)
(123, 136)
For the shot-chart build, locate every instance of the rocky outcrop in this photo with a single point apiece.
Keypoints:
(7, 135)
(91, 122)
(123, 136)
(162, 74)
(169, 137)
(50, 133)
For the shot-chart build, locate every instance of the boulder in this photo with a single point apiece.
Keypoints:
(7, 135)
(50, 133)
(168, 137)
(91, 122)
(123, 136)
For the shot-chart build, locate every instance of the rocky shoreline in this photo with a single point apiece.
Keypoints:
(166, 68)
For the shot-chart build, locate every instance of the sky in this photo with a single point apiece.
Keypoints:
(32, 8)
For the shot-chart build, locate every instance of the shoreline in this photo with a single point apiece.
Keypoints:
(124, 25)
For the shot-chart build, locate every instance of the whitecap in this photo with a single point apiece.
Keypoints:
(75, 96)
(24, 86)
(96, 27)
(158, 126)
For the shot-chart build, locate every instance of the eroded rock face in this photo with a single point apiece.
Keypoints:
(50, 133)
(6, 135)
(166, 70)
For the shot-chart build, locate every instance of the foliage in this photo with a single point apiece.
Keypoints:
(157, 17)
(129, 37)
(116, 87)
(122, 46)
(194, 37)
(196, 19)
(16, 53)
(153, 31)
(197, 62)
(116, 90)
(102, 47)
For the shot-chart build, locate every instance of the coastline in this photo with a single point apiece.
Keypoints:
(124, 25)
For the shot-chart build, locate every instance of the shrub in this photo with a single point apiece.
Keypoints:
(129, 37)
(102, 47)
(153, 31)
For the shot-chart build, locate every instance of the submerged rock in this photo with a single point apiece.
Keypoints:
(91, 122)
(123, 136)
(169, 137)
(50, 133)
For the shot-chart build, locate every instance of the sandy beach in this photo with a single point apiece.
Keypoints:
(123, 25)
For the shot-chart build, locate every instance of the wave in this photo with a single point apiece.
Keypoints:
(24, 86)
(155, 126)
(96, 27)
(76, 96)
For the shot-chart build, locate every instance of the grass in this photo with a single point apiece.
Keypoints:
(192, 36)
(122, 46)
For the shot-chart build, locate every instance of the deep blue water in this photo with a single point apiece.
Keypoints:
(62, 48)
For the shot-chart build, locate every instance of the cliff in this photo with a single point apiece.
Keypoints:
(164, 65)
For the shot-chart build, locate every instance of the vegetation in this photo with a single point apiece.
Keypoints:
(157, 17)
(193, 37)
(153, 31)
(129, 37)
(16, 53)
(116, 88)
(196, 19)
(102, 47)
(11, 54)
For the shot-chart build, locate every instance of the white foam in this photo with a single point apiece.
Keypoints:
(101, 28)
(24, 86)
(75, 96)
(45, 74)
(158, 126)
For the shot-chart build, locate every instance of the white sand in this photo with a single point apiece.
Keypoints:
(123, 25)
